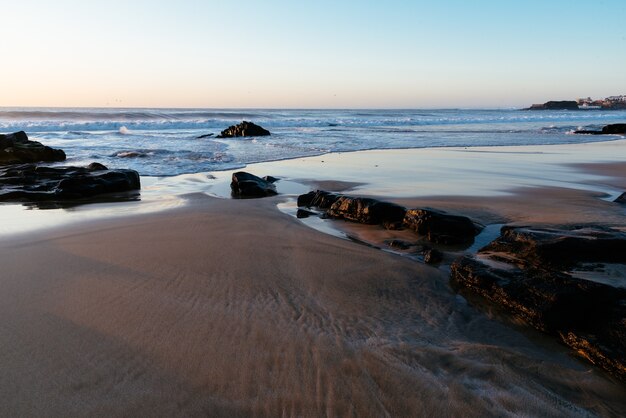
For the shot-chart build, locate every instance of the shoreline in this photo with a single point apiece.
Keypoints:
(230, 307)
(393, 174)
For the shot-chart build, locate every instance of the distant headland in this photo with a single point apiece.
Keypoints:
(608, 103)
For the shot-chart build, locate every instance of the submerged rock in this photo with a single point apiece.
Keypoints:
(16, 148)
(612, 129)
(243, 129)
(248, 185)
(527, 271)
(29, 182)
(440, 227)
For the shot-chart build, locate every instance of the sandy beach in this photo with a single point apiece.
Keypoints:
(228, 307)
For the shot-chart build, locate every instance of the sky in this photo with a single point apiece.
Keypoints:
(309, 54)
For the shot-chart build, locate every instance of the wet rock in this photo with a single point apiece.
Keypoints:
(303, 214)
(559, 248)
(527, 271)
(243, 129)
(556, 105)
(440, 227)
(16, 148)
(319, 199)
(204, 136)
(621, 198)
(366, 211)
(399, 244)
(432, 256)
(248, 185)
(613, 129)
(32, 183)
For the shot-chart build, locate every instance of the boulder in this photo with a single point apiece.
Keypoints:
(243, 129)
(529, 273)
(248, 185)
(16, 148)
(366, 211)
(32, 183)
(440, 227)
(612, 129)
(556, 105)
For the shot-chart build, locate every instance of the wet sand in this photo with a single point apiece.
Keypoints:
(224, 307)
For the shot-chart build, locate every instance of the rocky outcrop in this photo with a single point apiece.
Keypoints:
(243, 129)
(556, 105)
(531, 273)
(436, 226)
(612, 129)
(440, 227)
(244, 185)
(32, 183)
(16, 148)
(367, 211)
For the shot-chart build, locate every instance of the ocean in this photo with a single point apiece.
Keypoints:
(164, 142)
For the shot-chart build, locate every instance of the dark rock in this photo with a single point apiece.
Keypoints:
(96, 167)
(248, 185)
(271, 179)
(318, 198)
(440, 227)
(399, 244)
(613, 129)
(527, 272)
(16, 148)
(243, 129)
(432, 256)
(621, 198)
(559, 248)
(29, 182)
(366, 211)
(204, 136)
(303, 213)
(556, 105)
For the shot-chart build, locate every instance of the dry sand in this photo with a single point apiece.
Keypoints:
(233, 308)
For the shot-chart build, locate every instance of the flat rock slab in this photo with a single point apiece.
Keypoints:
(527, 272)
(32, 183)
(246, 185)
(16, 148)
(243, 129)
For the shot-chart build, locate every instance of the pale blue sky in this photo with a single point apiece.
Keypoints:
(327, 54)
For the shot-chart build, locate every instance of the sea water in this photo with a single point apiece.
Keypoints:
(165, 142)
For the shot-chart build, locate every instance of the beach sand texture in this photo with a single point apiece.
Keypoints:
(230, 308)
